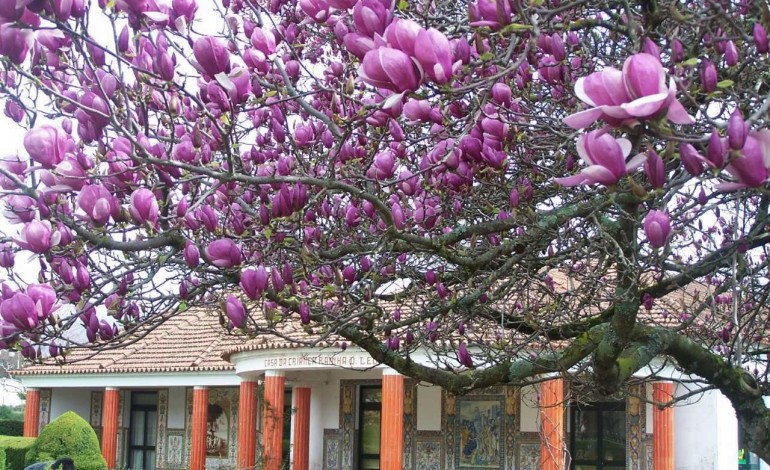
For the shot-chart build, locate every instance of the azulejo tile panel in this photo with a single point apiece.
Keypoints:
(429, 450)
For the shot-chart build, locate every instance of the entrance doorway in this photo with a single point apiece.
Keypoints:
(142, 433)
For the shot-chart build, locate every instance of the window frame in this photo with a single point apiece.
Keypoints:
(599, 408)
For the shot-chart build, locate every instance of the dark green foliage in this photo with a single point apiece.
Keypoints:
(11, 427)
(68, 435)
(15, 451)
(15, 413)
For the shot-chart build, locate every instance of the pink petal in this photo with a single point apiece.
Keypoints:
(646, 106)
(600, 174)
(573, 180)
(583, 118)
(636, 162)
(677, 114)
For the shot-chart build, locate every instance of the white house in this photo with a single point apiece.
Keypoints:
(189, 396)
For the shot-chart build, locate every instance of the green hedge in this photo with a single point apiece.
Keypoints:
(71, 436)
(16, 449)
(11, 427)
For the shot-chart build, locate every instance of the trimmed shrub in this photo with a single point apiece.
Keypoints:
(11, 427)
(15, 451)
(69, 435)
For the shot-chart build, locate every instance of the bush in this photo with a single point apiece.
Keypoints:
(16, 449)
(11, 427)
(68, 435)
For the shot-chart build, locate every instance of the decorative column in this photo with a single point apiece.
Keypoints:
(662, 427)
(552, 424)
(301, 447)
(272, 420)
(247, 424)
(32, 413)
(110, 426)
(199, 424)
(392, 424)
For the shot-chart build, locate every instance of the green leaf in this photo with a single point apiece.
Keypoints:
(487, 56)
(691, 61)
(725, 84)
(403, 5)
(515, 28)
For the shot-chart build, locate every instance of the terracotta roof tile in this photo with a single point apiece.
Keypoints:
(190, 342)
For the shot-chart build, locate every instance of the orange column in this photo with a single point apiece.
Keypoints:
(199, 424)
(392, 425)
(552, 425)
(272, 420)
(662, 427)
(32, 413)
(110, 426)
(301, 428)
(247, 425)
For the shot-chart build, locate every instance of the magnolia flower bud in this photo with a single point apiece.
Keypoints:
(235, 311)
(737, 130)
(657, 228)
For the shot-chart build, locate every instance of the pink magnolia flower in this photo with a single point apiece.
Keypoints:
(192, 255)
(37, 237)
(69, 175)
(390, 69)
(606, 157)
(254, 282)
(372, 16)
(98, 203)
(402, 34)
(19, 311)
(751, 166)
(657, 228)
(358, 44)
(655, 169)
(622, 97)
(760, 39)
(491, 13)
(263, 40)
(318, 10)
(15, 42)
(144, 207)
(434, 53)
(235, 311)
(464, 357)
(47, 145)
(223, 253)
(212, 55)
(19, 209)
(44, 297)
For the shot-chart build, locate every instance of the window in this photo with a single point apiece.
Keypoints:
(369, 417)
(598, 438)
(286, 436)
(143, 430)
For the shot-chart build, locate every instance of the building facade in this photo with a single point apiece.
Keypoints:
(172, 401)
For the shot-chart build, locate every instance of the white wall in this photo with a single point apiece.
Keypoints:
(530, 415)
(705, 433)
(177, 397)
(428, 407)
(73, 399)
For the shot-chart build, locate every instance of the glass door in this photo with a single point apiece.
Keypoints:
(143, 431)
(369, 418)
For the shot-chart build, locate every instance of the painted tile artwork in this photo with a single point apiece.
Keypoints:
(479, 433)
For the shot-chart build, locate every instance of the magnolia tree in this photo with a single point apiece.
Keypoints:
(519, 188)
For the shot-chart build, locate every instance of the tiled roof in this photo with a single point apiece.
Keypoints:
(195, 341)
(192, 341)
